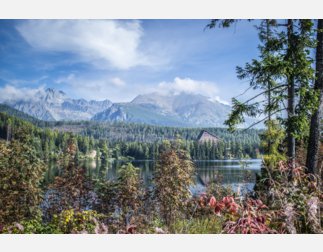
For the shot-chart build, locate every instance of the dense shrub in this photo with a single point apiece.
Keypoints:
(294, 195)
(72, 190)
(79, 222)
(67, 222)
(253, 219)
(129, 196)
(21, 173)
(173, 177)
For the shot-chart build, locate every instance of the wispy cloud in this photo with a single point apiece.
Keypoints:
(103, 43)
(11, 93)
(188, 85)
(117, 82)
(113, 88)
(99, 88)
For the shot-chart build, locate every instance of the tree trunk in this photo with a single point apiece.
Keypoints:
(314, 138)
(291, 96)
(8, 132)
(269, 90)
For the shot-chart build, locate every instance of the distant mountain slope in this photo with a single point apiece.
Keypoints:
(14, 112)
(143, 113)
(53, 105)
(169, 110)
(177, 110)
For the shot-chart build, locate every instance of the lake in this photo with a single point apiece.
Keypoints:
(240, 175)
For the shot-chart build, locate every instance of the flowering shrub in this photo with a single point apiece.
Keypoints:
(226, 205)
(248, 217)
(252, 220)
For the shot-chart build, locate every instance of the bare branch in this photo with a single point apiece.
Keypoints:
(283, 85)
(262, 120)
(244, 92)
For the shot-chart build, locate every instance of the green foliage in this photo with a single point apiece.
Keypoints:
(106, 192)
(129, 189)
(240, 109)
(31, 226)
(224, 23)
(202, 225)
(272, 140)
(79, 222)
(264, 74)
(14, 112)
(284, 63)
(67, 222)
(128, 141)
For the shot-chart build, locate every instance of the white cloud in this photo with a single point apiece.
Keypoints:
(117, 90)
(11, 93)
(117, 82)
(66, 79)
(112, 88)
(98, 88)
(103, 43)
(188, 85)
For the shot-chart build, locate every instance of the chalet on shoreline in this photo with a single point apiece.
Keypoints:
(206, 136)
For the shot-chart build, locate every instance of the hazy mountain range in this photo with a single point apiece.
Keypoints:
(54, 105)
(182, 109)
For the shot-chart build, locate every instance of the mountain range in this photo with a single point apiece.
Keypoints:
(55, 105)
(183, 109)
(168, 110)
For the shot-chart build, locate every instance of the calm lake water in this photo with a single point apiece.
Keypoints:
(240, 175)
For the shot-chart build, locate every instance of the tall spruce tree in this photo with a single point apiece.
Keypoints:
(314, 137)
(284, 75)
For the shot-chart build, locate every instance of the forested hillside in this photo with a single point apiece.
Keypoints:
(17, 113)
(117, 140)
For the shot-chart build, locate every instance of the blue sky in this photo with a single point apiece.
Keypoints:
(119, 59)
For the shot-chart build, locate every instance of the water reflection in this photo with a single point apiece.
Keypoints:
(240, 175)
